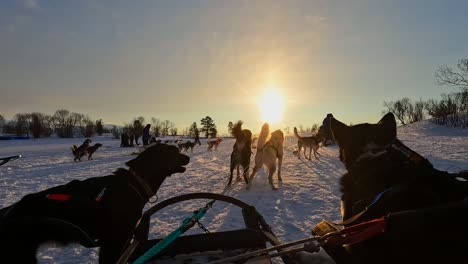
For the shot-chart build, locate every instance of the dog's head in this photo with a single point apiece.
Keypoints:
(355, 141)
(277, 138)
(160, 159)
(98, 145)
(87, 141)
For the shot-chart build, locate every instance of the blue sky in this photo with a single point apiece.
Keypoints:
(184, 60)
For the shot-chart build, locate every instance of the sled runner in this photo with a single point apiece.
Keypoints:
(205, 247)
(7, 159)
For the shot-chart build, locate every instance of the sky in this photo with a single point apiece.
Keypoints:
(185, 60)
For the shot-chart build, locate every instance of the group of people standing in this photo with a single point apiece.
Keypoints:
(147, 136)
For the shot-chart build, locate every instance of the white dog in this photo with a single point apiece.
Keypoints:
(268, 151)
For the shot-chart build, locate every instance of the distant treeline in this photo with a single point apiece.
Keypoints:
(450, 110)
(66, 124)
(63, 123)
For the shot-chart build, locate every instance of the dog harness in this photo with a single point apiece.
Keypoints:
(270, 145)
(141, 185)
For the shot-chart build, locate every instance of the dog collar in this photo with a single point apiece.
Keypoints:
(144, 185)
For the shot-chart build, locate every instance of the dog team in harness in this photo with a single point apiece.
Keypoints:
(396, 208)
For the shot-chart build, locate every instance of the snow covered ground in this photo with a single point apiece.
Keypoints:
(308, 194)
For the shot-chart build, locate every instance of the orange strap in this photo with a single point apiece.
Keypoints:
(358, 233)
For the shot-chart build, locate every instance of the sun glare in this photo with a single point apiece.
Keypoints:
(271, 105)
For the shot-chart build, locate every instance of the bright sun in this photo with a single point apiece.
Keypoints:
(271, 105)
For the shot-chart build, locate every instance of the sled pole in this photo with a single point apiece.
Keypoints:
(7, 159)
(349, 235)
(282, 246)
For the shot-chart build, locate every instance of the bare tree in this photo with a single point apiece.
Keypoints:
(66, 122)
(40, 125)
(9, 127)
(173, 131)
(59, 119)
(166, 125)
(448, 76)
(156, 126)
(22, 122)
(418, 113)
(99, 127)
(402, 109)
(2, 123)
(85, 124)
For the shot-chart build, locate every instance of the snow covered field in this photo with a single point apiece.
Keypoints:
(308, 194)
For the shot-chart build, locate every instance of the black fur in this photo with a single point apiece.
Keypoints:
(241, 152)
(100, 211)
(185, 146)
(79, 152)
(412, 190)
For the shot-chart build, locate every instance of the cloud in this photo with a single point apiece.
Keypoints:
(31, 4)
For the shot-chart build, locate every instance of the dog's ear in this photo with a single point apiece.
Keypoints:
(340, 131)
(388, 124)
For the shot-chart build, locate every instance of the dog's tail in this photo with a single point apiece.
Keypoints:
(262, 138)
(295, 133)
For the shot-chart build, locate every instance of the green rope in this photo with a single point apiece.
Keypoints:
(169, 239)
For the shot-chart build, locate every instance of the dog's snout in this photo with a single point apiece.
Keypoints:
(184, 159)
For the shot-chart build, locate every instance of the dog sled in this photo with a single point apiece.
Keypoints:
(247, 245)
(7, 159)
(207, 247)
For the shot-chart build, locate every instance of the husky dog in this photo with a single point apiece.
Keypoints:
(213, 143)
(387, 181)
(80, 151)
(92, 149)
(95, 212)
(268, 152)
(241, 151)
(185, 146)
(313, 143)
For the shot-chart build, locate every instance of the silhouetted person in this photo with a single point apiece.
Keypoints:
(124, 140)
(197, 137)
(146, 134)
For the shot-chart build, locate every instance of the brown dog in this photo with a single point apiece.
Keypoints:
(268, 152)
(80, 151)
(213, 143)
(93, 149)
(313, 143)
(241, 152)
